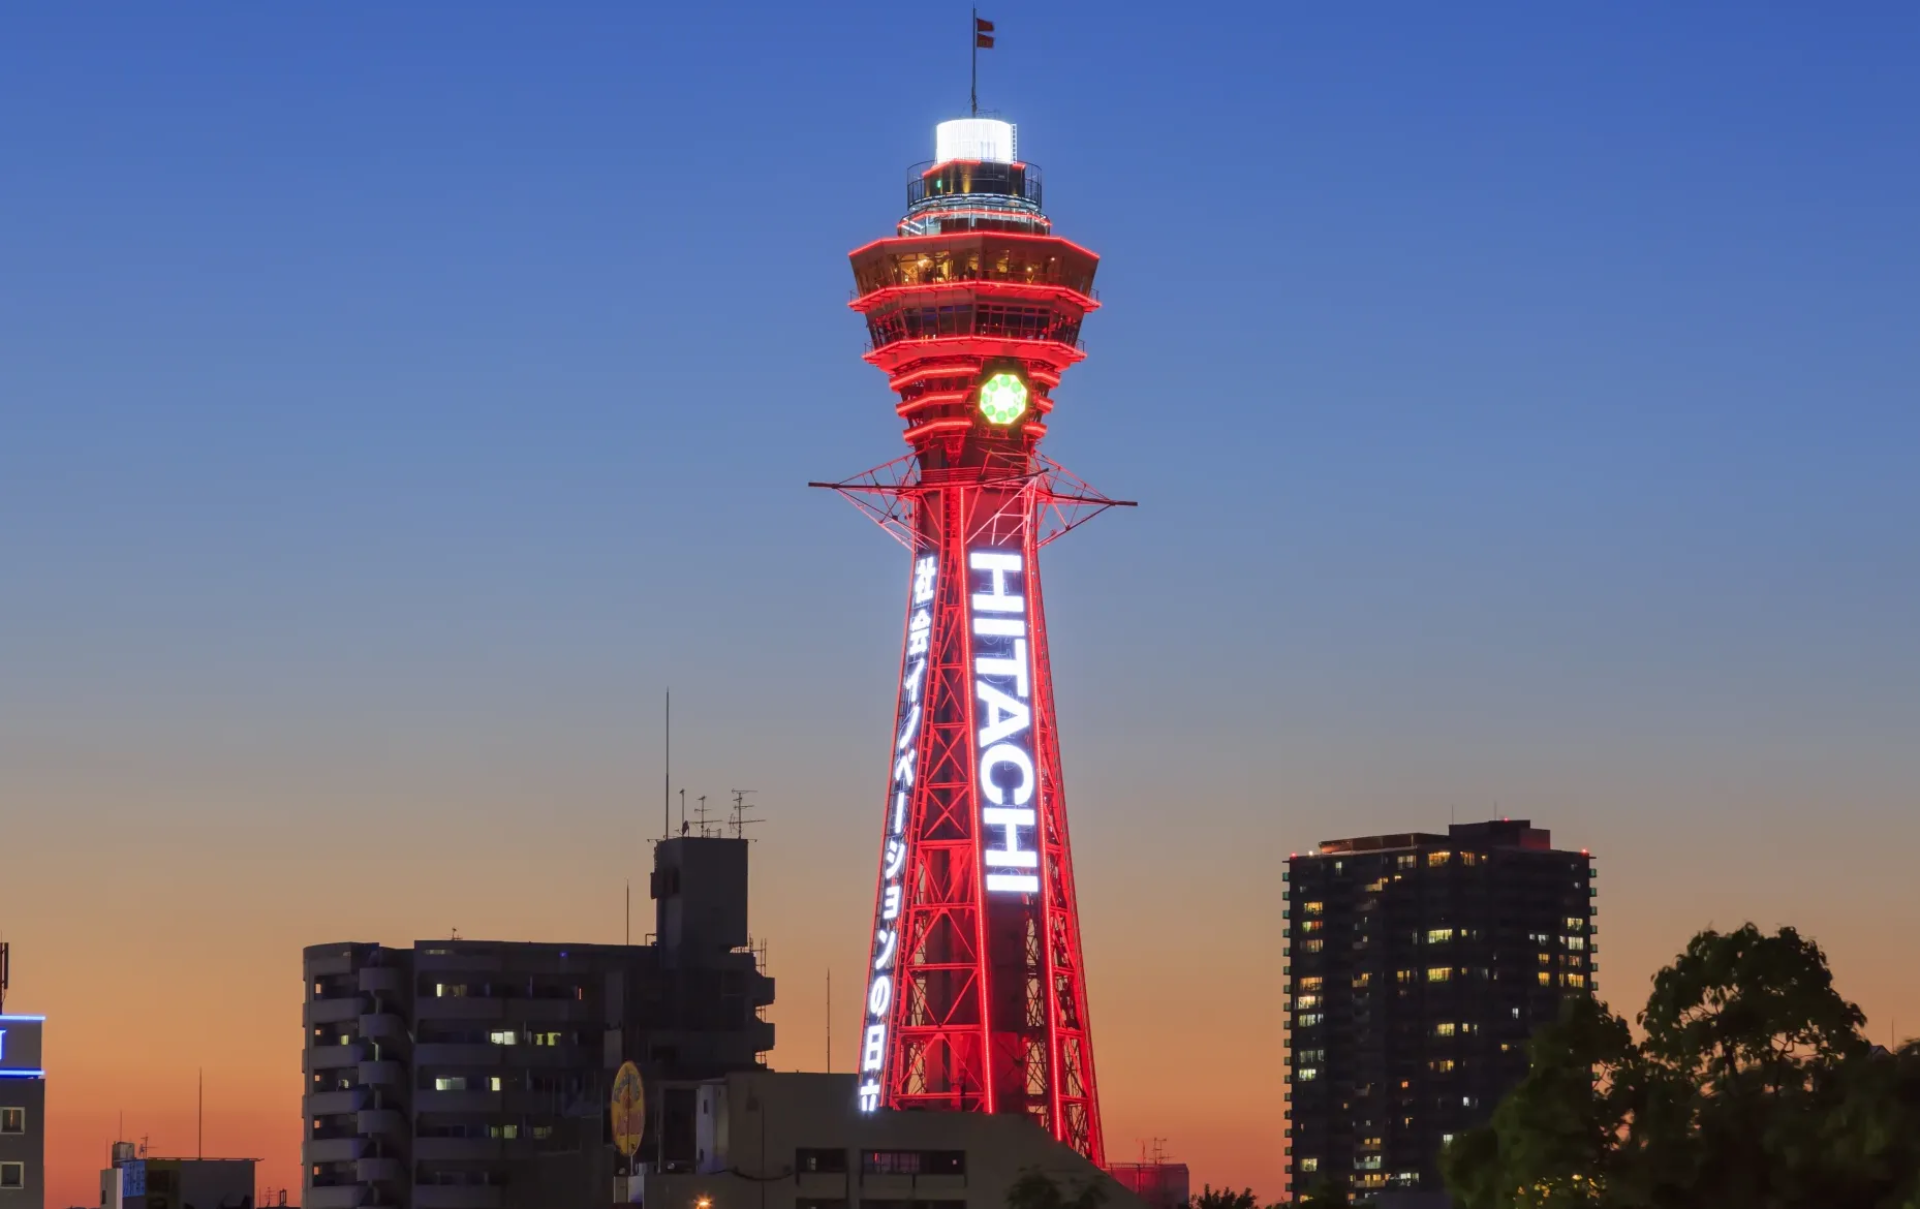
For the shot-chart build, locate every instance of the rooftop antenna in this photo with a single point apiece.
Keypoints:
(741, 808)
(700, 815)
(629, 912)
(829, 1019)
(6, 960)
(200, 1119)
(683, 812)
(666, 777)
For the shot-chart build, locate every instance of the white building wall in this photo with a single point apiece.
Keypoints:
(753, 1128)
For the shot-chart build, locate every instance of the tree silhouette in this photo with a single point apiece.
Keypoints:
(1035, 1189)
(1224, 1198)
(1752, 1086)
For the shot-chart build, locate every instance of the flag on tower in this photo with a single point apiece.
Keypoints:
(983, 34)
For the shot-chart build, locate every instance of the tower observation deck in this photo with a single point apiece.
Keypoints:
(976, 998)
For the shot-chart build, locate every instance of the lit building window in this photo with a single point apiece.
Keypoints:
(1443, 1029)
(1576, 980)
(1310, 983)
(1312, 908)
(1439, 973)
(1313, 946)
(450, 1083)
(1310, 1019)
(1311, 925)
(1438, 858)
(504, 1037)
(1306, 1001)
(1546, 980)
(1469, 858)
(1439, 936)
(1307, 1074)
(13, 1120)
(1309, 1164)
(1361, 980)
(1441, 1066)
(1405, 862)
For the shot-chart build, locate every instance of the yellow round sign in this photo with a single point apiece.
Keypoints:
(629, 1109)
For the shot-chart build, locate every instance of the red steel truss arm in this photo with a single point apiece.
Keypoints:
(885, 493)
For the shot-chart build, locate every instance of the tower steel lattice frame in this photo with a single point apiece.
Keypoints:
(978, 998)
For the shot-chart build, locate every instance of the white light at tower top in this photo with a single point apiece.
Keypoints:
(975, 139)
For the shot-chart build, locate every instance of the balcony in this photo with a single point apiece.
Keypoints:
(380, 1170)
(337, 1196)
(333, 1057)
(381, 1121)
(332, 1103)
(470, 1196)
(382, 1074)
(459, 1007)
(331, 1150)
(441, 1053)
(456, 1101)
(456, 1149)
(382, 1026)
(332, 1011)
(386, 979)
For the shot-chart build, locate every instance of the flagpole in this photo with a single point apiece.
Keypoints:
(973, 38)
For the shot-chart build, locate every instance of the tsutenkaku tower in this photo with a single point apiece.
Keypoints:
(976, 995)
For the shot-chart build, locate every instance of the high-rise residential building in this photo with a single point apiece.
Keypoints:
(1418, 966)
(472, 1074)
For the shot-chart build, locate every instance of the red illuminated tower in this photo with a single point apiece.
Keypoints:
(976, 997)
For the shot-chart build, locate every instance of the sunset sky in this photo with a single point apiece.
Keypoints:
(395, 400)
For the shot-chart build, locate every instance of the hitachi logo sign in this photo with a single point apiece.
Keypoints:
(1003, 699)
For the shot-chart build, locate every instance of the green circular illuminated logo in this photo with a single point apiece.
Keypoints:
(1003, 398)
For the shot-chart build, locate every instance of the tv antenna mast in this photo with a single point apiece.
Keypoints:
(742, 813)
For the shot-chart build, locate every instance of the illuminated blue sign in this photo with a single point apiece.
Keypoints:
(20, 1047)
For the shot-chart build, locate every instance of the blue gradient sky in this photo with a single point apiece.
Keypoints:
(394, 400)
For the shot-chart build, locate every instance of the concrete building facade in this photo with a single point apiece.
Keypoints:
(468, 1074)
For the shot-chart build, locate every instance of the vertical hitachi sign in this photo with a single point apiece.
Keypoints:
(1003, 709)
(893, 860)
